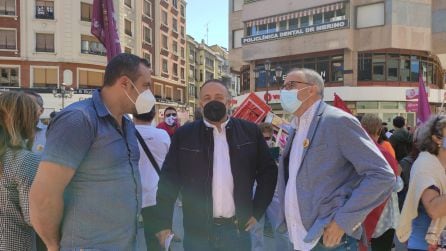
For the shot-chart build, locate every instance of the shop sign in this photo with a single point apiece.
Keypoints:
(341, 24)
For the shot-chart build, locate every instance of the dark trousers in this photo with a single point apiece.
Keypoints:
(384, 242)
(228, 237)
(148, 216)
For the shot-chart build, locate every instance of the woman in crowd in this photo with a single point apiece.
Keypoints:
(423, 217)
(380, 224)
(18, 165)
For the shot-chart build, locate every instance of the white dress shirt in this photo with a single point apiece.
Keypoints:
(296, 229)
(222, 180)
(158, 142)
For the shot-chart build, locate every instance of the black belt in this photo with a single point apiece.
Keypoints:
(224, 221)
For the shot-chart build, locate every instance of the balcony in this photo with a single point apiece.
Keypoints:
(44, 49)
(94, 52)
(44, 12)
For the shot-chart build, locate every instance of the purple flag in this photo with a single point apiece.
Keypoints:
(424, 111)
(103, 26)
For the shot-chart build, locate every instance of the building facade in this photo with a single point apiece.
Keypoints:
(47, 45)
(369, 52)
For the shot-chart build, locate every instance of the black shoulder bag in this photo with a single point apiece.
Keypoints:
(148, 153)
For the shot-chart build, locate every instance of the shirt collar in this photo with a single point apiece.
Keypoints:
(40, 125)
(223, 125)
(100, 107)
(308, 114)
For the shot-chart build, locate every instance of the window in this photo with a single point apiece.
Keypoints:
(164, 42)
(294, 24)
(175, 69)
(310, 63)
(9, 76)
(158, 90)
(86, 12)
(175, 4)
(414, 68)
(128, 3)
(164, 17)
(304, 21)
(147, 57)
(90, 79)
(182, 12)
(182, 52)
(174, 24)
(165, 67)
(282, 25)
(175, 47)
(90, 45)
(317, 19)
(365, 66)
(262, 29)
(209, 62)
(328, 16)
(369, 15)
(182, 75)
(322, 67)
(237, 38)
(237, 5)
(404, 68)
(128, 50)
(179, 95)
(44, 9)
(271, 27)
(45, 77)
(44, 42)
(147, 8)
(182, 31)
(128, 27)
(147, 34)
(337, 69)
(7, 7)
(169, 92)
(378, 66)
(8, 40)
(392, 67)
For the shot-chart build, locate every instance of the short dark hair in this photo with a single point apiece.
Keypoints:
(147, 117)
(399, 122)
(171, 108)
(39, 98)
(124, 64)
(216, 81)
(53, 114)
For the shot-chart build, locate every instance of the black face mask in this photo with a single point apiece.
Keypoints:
(214, 111)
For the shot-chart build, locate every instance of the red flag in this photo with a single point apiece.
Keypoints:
(103, 26)
(339, 103)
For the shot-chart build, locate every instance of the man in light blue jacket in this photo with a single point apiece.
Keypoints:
(331, 173)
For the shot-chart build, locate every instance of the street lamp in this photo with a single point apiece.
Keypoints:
(63, 93)
(268, 70)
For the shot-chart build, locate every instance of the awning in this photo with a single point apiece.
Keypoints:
(295, 14)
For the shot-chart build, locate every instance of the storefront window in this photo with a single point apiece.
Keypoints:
(262, 29)
(328, 16)
(271, 27)
(378, 63)
(282, 25)
(392, 67)
(323, 69)
(310, 63)
(337, 71)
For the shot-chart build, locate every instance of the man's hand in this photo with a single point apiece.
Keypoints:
(162, 236)
(251, 222)
(332, 234)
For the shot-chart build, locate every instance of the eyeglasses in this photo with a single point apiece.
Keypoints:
(171, 115)
(290, 85)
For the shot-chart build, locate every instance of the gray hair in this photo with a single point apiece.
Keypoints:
(311, 77)
(433, 127)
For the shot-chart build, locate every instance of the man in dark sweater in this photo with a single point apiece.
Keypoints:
(401, 139)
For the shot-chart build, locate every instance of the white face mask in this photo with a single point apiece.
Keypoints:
(171, 120)
(289, 101)
(144, 102)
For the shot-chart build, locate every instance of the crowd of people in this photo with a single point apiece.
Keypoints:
(95, 174)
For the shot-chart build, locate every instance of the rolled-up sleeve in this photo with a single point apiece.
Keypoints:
(68, 139)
